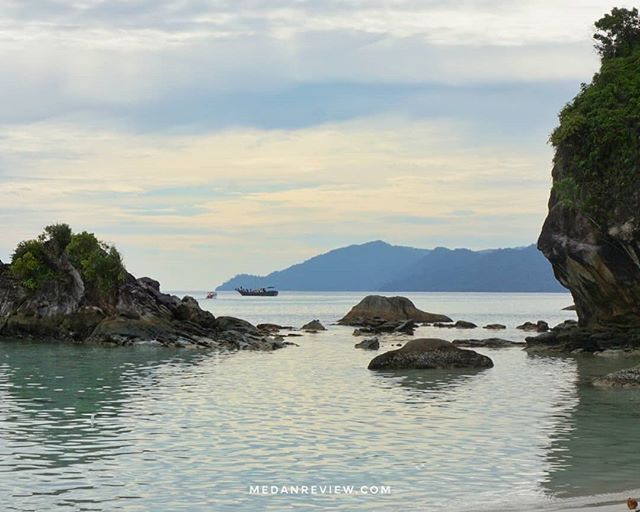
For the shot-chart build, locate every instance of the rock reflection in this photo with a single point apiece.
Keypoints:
(595, 448)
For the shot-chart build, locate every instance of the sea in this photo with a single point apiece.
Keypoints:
(309, 427)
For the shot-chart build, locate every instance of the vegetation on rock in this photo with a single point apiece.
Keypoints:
(36, 263)
(598, 138)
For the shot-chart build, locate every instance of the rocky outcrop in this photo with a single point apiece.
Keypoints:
(591, 234)
(136, 312)
(539, 326)
(374, 310)
(314, 326)
(495, 327)
(429, 353)
(628, 378)
(487, 343)
(369, 344)
(570, 337)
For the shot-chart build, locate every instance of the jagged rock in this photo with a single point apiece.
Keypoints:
(539, 326)
(570, 308)
(375, 310)
(628, 378)
(495, 327)
(314, 326)
(429, 353)
(369, 344)
(487, 343)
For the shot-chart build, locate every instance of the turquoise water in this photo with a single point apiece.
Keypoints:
(194, 430)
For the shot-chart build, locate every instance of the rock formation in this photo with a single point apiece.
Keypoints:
(375, 310)
(314, 326)
(591, 235)
(429, 353)
(62, 302)
(369, 344)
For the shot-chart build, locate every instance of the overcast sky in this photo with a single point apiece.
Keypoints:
(211, 137)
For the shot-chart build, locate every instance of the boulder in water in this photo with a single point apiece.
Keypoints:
(314, 326)
(429, 353)
(375, 310)
(369, 344)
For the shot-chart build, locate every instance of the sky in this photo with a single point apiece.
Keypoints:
(206, 138)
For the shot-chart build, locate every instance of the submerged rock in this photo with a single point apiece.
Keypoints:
(430, 353)
(539, 326)
(369, 344)
(488, 343)
(390, 327)
(314, 326)
(628, 378)
(374, 310)
(495, 327)
(460, 324)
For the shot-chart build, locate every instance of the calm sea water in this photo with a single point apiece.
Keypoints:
(194, 430)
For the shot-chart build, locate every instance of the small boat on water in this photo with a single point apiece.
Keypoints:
(270, 291)
(212, 295)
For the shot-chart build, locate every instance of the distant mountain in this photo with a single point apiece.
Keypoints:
(379, 266)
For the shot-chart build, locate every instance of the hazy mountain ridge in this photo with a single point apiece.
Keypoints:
(381, 266)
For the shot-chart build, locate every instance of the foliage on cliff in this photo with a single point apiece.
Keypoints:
(36, 263)
(598, 138)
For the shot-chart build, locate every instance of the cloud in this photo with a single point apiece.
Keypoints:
(159, 64)
(207, 137)
(236, 189)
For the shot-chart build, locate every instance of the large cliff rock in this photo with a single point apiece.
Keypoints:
(591, 235)
(137, 311)
(598, 262)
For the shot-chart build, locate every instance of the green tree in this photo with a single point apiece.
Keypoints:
(597, 140)
(56, 237)
(37, 262)
(618, 33)
(99, 264)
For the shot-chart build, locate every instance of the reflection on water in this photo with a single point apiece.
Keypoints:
(181, 430)
(600, 449)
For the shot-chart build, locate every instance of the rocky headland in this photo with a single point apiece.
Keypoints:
(591, 234)
(72, 287)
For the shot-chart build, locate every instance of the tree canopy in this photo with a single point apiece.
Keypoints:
(598, 138)
(618, 33)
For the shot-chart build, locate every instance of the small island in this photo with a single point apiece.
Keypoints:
(66, 286)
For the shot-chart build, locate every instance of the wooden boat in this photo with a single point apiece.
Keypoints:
(258, 292)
